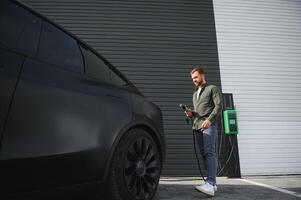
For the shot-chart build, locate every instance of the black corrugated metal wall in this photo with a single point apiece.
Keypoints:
(154, 43)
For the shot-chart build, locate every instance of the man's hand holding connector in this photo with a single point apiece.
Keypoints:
(189, 113)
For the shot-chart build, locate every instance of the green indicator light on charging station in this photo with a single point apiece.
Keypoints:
(230, 122)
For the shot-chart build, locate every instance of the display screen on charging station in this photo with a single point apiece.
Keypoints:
(230, 122)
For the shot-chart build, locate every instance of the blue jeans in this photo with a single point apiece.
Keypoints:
(206, 143)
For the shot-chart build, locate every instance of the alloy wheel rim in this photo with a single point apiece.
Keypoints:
(142, 168)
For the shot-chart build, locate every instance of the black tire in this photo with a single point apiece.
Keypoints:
(136, 167)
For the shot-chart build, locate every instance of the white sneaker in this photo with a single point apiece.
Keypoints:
(215, 188)
(206, 188)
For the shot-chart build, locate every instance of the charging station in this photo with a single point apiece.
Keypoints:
(230, 129)
(229, 115)
(230, 122)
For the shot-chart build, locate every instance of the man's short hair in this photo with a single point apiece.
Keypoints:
(197, 69)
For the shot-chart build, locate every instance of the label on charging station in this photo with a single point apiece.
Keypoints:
(230, 122)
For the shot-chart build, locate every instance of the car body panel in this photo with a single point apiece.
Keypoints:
(60, 113)
(10, 66)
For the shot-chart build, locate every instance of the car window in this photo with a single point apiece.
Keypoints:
(56, 47)
(20, 29)
(96, 67)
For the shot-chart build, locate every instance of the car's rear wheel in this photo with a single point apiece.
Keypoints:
(136, 167)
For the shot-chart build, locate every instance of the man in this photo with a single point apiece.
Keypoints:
(207, 107)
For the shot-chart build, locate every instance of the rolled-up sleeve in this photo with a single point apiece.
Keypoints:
(217, 100)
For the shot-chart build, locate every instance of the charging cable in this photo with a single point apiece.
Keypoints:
(220, 141)
(196, 154)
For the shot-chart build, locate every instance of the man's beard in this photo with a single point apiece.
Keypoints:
(197, 84)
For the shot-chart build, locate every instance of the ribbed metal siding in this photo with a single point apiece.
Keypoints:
(259, 46)
(154, 43)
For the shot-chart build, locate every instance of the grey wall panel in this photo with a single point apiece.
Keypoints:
(155, 44)
(259, 46)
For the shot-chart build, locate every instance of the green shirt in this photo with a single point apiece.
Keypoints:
(207, 106)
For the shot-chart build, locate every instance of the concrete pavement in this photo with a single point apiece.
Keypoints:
(255, 187)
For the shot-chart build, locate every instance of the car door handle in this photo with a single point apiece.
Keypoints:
(115, 96)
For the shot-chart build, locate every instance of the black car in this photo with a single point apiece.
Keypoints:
(69, 120)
